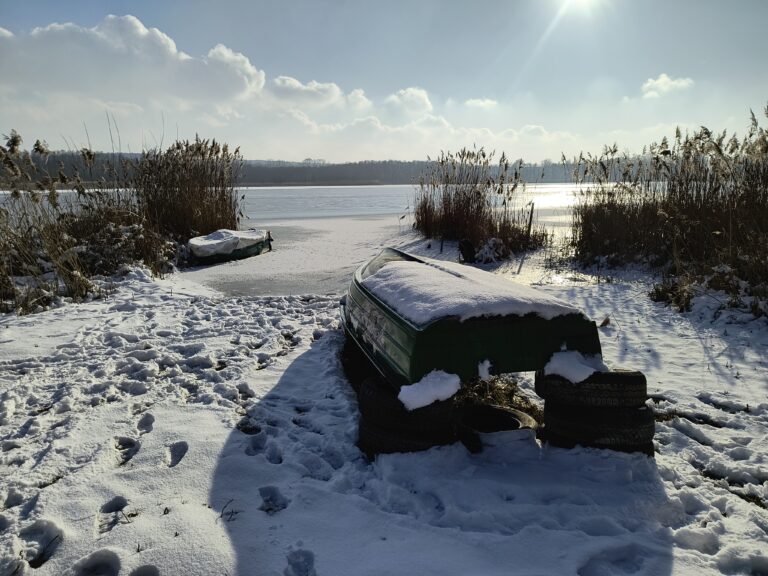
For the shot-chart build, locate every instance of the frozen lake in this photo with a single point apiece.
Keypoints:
(277, 203)
(323, 233)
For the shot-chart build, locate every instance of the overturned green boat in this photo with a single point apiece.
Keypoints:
(412, 315)
(225, 245)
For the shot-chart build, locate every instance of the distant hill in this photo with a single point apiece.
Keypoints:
(314, 173)
(306, 173)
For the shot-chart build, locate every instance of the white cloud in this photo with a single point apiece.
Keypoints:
(238, 64)
(120, 59)
(312, 93)
(410, 101)
(290, 92)
(481, 103)
(534, 130)
(656, 87)
(128, 34)
(357, 100)
(61, 76)
(5, 33)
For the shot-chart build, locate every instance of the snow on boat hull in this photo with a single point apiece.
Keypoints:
(225, 245)
(404, 351)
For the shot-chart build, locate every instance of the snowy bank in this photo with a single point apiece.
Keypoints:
(170, 431)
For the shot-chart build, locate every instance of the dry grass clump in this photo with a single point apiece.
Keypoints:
(696, 207)
(60, 228)
(499, 390)
(467, 196)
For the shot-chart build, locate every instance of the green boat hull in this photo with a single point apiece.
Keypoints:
(404, 353)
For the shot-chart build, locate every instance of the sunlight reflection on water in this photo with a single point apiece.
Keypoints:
(552, 201)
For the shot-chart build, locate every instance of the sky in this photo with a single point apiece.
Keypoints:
(352, 80)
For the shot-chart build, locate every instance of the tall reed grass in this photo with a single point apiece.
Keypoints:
(188, 189)
(468, 196)
(59, 228)
(696, 206)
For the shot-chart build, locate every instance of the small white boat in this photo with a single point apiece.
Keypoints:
(224, 245)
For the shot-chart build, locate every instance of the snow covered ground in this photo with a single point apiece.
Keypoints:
(173, 429)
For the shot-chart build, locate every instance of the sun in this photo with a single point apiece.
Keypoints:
(584, 6)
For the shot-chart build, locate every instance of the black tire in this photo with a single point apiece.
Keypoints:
(374, 439)
(356, 365)
(492, 418)
(380, 407)
(600, 427)
(612, 389)
(554, 439)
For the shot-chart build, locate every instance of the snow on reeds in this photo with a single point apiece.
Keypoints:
(62, 225)
(697, 207)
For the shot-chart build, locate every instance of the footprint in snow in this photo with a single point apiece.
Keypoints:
(176, 452)
(627, 560)
(145, 423)
(256, 443)
(315, 466)
(42, 538)
(126, 449)
(260, 443)
(247, 427)
(100, 563)
(300, 563)
(272, 500)
(111, 514)
(13, 498)
(146, 570)
(273, 453)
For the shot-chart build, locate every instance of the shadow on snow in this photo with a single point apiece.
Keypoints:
(298, 498)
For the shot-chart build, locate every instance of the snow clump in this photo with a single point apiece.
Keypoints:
(437, 385)
(573, 366)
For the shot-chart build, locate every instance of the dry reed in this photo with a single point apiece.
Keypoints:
(696, 207)
(53, 242)
(467, 196)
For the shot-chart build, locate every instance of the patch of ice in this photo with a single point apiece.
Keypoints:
(573, 366)
(423, 292)
(437, 385)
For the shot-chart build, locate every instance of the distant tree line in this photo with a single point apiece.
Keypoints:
(261, 173)
(283, 173)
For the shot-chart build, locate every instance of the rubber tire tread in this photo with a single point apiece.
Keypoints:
(611, 389)
(600, 427)
(556, 440)
(379, 406)
(356, 365)
(374, 439)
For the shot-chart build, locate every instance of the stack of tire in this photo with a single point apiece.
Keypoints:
(386, 426)
(607, 410)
